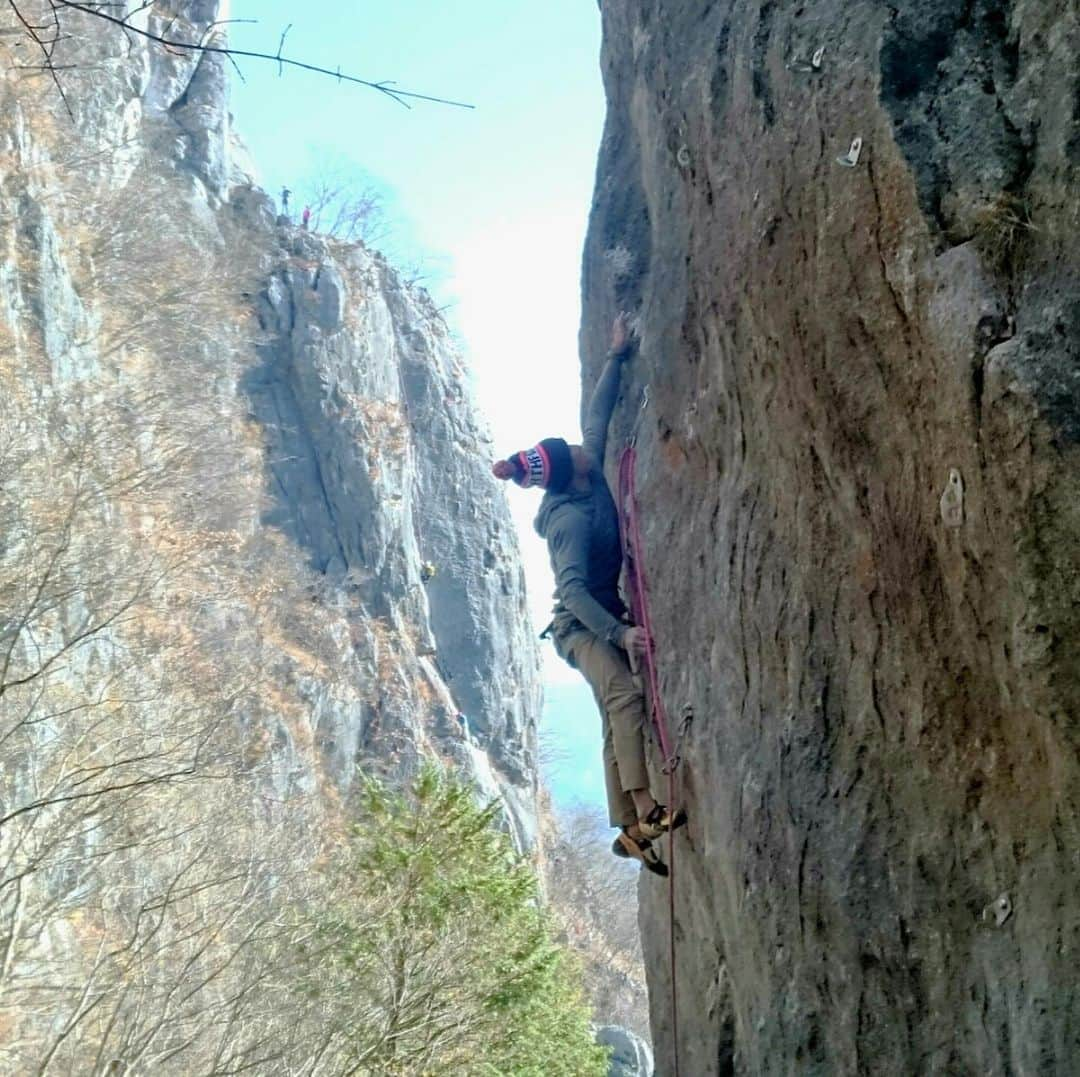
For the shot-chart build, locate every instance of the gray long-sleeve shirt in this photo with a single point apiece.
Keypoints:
(582, 532)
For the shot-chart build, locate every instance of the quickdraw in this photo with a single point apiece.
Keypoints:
(672, 764)
(630, 530)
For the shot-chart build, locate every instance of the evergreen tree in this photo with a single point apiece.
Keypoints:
(435, 956)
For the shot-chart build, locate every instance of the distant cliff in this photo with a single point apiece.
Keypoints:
(375, 470)
(860, 490)
(231, 456)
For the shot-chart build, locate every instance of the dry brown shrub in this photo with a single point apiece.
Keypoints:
(1003, 230)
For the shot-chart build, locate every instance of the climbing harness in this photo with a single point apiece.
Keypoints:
(630, 529)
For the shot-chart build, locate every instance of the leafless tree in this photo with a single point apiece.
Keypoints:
(154, 846)
(141, 863)
(128, 879)
(139, 270)
(345, 205)
(47, 24)
(594, 895)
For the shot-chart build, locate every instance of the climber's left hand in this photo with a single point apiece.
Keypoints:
(622, 338)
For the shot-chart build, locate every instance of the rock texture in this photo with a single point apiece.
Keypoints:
(860, 483)
(227, 450)
(630, 1056)
(375, 463)
(373, 455)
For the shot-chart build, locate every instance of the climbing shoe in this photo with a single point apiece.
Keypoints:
(660, 820)
(639, 849)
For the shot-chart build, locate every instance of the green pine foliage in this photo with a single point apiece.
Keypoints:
(435, 955)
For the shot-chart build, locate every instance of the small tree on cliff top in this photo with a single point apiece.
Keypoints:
(345, 203)
(435, 956)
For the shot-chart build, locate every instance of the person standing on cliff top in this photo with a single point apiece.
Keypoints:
(579, 521)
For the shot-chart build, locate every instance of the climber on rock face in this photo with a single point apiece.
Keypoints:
(579, 521)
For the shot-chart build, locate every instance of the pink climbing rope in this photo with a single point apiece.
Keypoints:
(630, 529)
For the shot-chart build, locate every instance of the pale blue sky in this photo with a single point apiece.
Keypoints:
(496, 199)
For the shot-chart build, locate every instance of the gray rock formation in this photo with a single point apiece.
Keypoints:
(375, 463)
(227, 450)
(375, 460)
(630, 1055)
(860, 484)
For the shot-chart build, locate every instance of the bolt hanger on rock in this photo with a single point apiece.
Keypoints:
(952, 500)
(999, 910)
(811, 66)
(851, 158)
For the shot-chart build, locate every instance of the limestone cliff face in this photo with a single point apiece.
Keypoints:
(861, 492)
(375, 465)
(326, 364)
(227, 449)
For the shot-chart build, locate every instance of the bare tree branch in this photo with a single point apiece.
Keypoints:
(46, 45)
(46, 36)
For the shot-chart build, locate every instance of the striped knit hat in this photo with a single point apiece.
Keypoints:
(548, 464)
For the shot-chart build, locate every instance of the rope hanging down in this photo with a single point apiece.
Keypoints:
(630, 529)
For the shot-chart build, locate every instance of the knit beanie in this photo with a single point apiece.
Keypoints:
(548, 464)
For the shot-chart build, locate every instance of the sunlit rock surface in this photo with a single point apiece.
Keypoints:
(337, 416)
(376, 466)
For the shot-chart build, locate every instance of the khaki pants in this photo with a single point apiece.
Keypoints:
(622, 713)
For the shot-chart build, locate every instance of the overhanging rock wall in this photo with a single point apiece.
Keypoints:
(860, 486)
